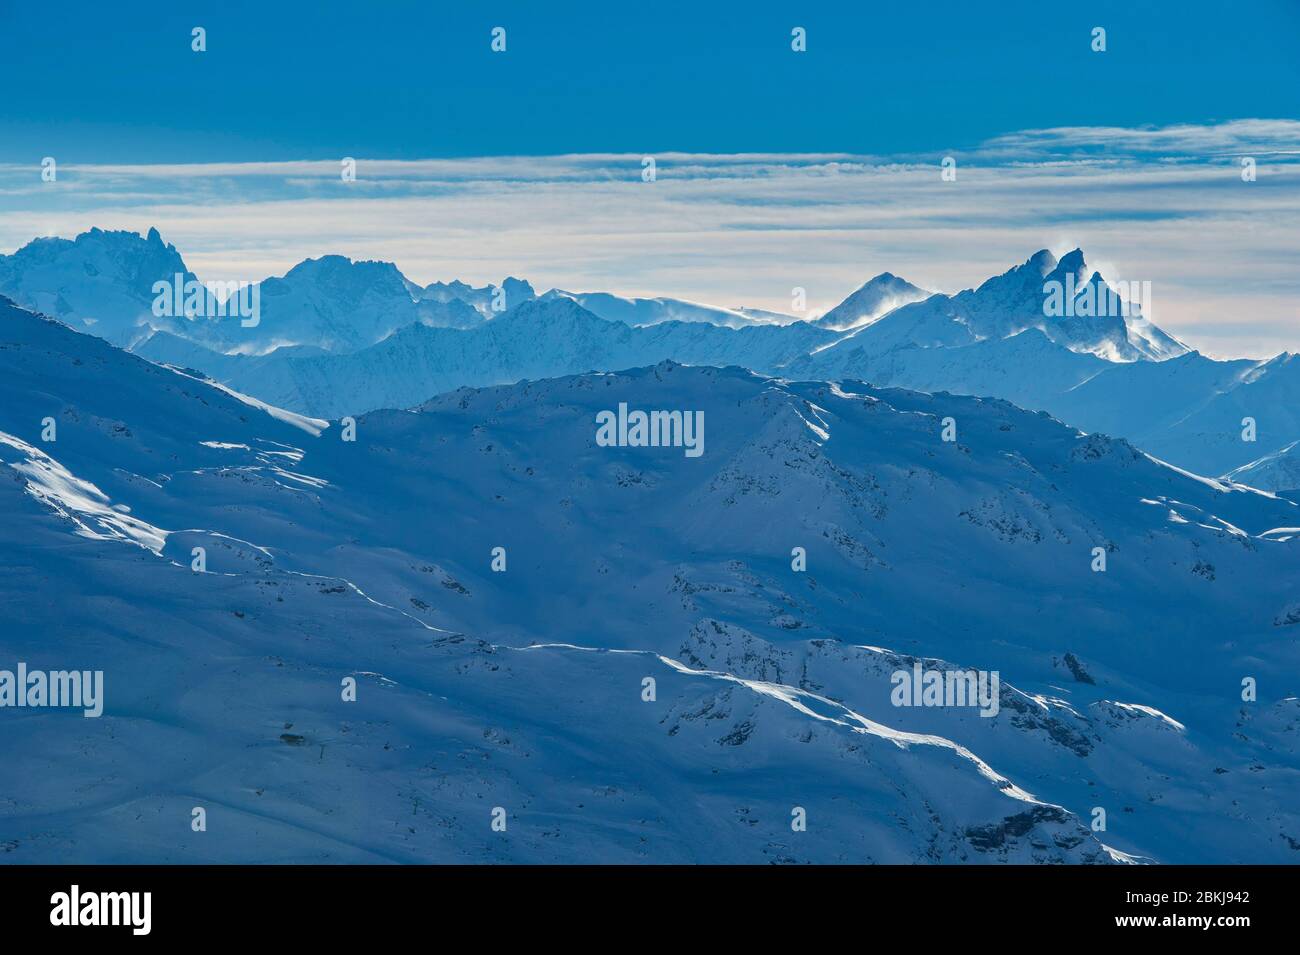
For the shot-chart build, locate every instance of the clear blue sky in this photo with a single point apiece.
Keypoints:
(104, 82)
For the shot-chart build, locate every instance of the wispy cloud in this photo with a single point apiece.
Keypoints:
(1236, 138)
(1165, 205)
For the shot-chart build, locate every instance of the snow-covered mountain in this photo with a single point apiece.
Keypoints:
(525, 688)
(1208, 416)
(550, 336)
(488, 301)
(101, 282)
(1276, 471)
(340, 306)
(767, 316)
(332, 303)
(104, 283)
(337, 336)
(1189, 410)
(875, 298)
(653, 311)
(1119, 375)
(1009, 304)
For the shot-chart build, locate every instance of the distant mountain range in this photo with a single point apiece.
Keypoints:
(341, 337)
(524, 687)
(550, 336)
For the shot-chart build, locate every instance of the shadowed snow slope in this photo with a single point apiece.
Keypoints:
(539, 339)
(1278, 471)
(525, 689)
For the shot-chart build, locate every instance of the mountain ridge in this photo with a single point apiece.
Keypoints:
(359, 345)
(372, 558)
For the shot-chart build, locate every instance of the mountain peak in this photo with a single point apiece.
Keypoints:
(873, 299)
(341, 270)
(101, 281)
(1071, 269)
(1042, 261)
(321, 263)
(487, 300)
(1071, 260)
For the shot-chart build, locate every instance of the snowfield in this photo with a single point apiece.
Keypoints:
(649, 678)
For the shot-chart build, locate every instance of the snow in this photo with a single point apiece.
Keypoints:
(80, 501)
(313, 426)
(340, 337)
(523, 689)
(639, 312)
(1276, 471)
(1150, 711)
(876, 298)
(371, 559)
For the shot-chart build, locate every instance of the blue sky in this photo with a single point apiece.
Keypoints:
(284, 80)
(776, 169)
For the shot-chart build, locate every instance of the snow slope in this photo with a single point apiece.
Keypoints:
(653, 311)
(513, 292)
(1276, 471)
(875, 298)
(1191, 409)
(543, 338)
(1027, 368)
(523, 689)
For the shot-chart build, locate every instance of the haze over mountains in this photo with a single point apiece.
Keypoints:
(524, 689)
(339, 337)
